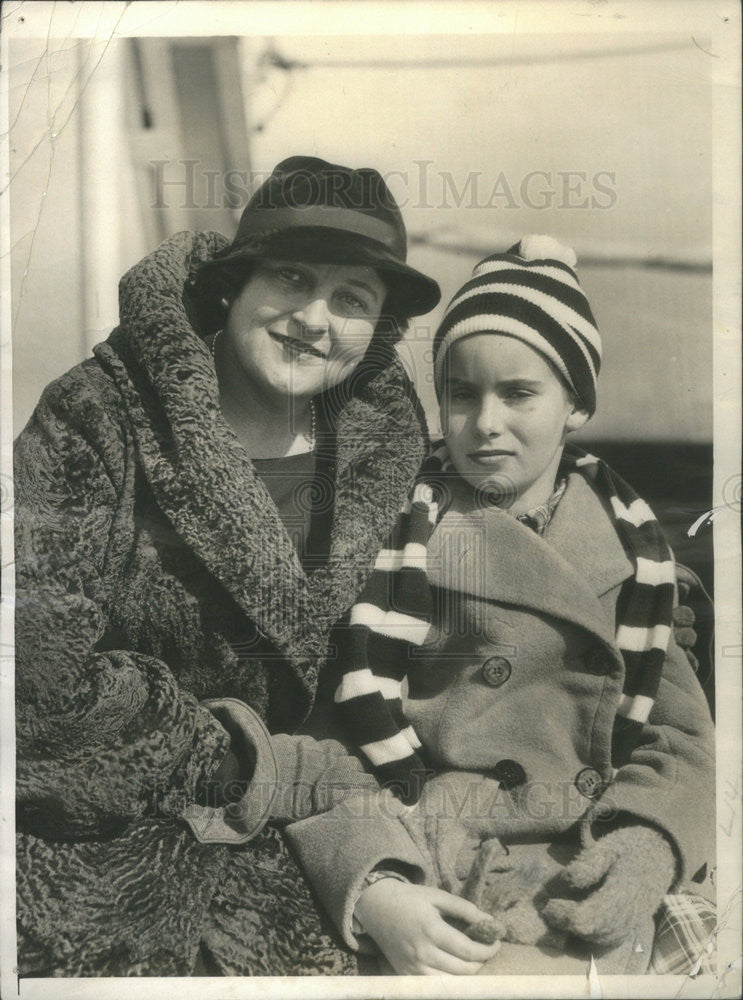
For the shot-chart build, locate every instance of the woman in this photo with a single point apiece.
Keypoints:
(195, 506)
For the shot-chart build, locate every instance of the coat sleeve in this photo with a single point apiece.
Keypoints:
(104, 735)
(339, 848)
(669, 780)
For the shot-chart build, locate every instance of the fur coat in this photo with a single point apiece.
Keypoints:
(153, 572)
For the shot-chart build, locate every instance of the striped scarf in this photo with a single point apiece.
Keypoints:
(393, 614)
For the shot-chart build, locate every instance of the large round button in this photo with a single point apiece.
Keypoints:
(509, 773)
(597, 660)
(589, 783)
(496, 670)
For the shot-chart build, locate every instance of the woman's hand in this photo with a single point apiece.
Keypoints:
(408, 924)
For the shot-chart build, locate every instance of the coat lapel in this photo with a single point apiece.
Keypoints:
(582, 531)
(489, 554)
(205, 484)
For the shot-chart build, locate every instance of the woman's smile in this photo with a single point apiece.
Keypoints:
(297, 349)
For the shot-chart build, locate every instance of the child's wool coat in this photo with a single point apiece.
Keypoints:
(515, 694)
(153, 571)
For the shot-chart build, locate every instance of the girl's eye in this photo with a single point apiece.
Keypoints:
(518, 394)
(461, 395)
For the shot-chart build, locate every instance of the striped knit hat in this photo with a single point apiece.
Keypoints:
(531, 292)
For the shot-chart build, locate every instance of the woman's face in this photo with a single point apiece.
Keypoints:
(505, 413)
(296, 329)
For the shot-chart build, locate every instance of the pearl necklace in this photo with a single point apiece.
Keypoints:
(311, 438)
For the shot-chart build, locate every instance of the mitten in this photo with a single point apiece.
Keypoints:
(614, 886)
(454, 824)
(450, 820)
(683, 620)
(693, 622)
(509, 883)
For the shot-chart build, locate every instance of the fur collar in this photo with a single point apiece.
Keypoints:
(205, 483)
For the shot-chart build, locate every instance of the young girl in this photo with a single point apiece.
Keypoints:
(511, 674)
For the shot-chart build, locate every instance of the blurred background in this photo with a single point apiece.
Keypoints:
(601, 139)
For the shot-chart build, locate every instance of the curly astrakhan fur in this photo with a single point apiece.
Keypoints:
(153, 571)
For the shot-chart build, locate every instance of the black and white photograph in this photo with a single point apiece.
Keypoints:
(371, 494)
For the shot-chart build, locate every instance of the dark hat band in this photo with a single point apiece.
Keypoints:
(414, 292)
(325, 216)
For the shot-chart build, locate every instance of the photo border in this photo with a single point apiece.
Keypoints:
(721, 22)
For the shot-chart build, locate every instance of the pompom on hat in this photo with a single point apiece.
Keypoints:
(530, 292)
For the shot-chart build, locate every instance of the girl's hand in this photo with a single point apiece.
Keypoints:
(408, 924)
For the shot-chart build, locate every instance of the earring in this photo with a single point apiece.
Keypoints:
(224, 302)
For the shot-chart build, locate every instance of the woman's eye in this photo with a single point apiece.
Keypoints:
(291, 277)
(518, 394)
(460, 395)
(352, 301)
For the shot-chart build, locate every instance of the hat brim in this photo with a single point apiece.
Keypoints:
(413, 292)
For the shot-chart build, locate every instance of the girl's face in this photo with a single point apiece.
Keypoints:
(505, 414)
(296, 329)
